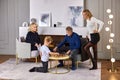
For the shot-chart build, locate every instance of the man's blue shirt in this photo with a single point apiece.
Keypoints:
(73, 40)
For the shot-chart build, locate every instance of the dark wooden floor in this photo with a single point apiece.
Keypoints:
(105, 74)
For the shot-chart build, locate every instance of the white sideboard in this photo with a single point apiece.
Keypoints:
(53, 31)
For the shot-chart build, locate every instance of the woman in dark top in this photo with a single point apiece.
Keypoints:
(33, 38)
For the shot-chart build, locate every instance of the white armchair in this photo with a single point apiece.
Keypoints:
(23, 50)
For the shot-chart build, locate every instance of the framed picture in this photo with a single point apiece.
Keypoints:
(69, 14)
(45, 20)
(75, 16)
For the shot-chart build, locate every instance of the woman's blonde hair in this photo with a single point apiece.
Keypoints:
(48, 39)
(31, 25)
(88, 13)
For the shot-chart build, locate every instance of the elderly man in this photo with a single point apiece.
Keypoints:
(74, 44)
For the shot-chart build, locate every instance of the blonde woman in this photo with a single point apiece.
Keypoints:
(94, 26)
(34, 39)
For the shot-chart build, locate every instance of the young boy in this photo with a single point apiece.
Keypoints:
(44, 53)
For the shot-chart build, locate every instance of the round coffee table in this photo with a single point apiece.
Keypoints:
(56, 59)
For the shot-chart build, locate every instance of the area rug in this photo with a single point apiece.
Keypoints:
(9, 70)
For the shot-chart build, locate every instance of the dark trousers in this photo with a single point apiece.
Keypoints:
(94, 57)
(44, 68)
(73, 55)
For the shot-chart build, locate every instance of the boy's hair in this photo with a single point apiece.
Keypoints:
(48, 39)
(68, 28)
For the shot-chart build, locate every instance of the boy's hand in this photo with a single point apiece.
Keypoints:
(54, 53)
(57, 53)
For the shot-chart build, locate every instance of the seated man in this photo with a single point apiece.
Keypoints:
(74, 44)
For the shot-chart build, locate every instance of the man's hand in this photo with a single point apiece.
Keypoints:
(87, 37)
(68, 52)
(39, 46)
(55, 49)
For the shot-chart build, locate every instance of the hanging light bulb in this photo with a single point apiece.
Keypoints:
(113, 60)
(108, 10)
(111, 40)
(112, 34)
(111, 16)
(110, 22)
(108, 47)
(107, 29)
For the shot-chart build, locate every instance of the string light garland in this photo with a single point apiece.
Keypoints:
(111, 40)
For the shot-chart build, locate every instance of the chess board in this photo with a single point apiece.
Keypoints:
(59, 57)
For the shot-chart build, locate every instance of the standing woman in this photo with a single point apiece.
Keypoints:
(34, 39)
(94, 26)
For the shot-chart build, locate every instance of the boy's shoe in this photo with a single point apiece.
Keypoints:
(73, 68)
(45, 72)
(32, 70)
(60, 65)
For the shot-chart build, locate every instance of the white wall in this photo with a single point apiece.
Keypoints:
(52, 31)
(59, 9)
(12, 14)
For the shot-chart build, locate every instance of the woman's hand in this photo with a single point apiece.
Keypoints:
(36, 45)
(39, 46)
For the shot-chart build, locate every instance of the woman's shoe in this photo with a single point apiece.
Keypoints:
(93, 68)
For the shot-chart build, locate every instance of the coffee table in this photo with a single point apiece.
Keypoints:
(56, 59)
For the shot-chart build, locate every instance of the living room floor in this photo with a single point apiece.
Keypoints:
(105, 74)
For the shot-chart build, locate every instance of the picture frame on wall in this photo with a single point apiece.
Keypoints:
(75, 16)
(61, 16)
(45, 20)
